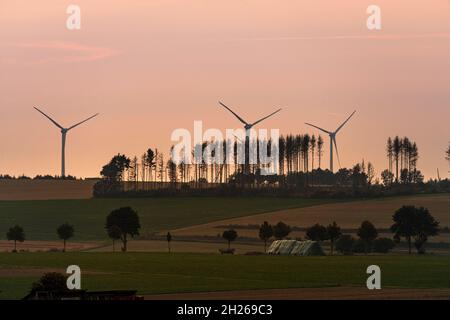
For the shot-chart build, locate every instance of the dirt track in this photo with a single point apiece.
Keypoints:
(335, 293)
(34, 246)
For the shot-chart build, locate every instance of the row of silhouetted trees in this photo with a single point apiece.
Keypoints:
(403, 155)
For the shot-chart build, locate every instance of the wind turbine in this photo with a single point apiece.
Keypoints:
(63, 136)
(247, 127)
(333, 139)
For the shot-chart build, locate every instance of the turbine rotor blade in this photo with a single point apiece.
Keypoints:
(234, 113)
(337, 152)
(237, 138)
(76, 125)
(340, 127)
(53, 121)
(326, 131)
(255, 123)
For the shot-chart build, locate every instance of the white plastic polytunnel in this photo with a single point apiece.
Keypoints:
(296, 248)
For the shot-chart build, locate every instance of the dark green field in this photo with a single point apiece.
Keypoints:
(174, 273)
(41, 218)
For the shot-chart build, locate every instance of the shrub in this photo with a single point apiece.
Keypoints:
(383, 245)
(360, 246)
(52, 281)
(345, 244)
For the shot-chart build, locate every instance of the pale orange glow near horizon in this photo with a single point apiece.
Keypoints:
(149, 67)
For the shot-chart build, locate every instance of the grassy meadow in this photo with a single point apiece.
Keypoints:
(40, 218)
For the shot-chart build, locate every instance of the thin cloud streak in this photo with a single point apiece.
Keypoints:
(78, 52)
(358, 37)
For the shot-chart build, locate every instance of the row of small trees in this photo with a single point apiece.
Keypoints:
(412, 223)
(17, 234)
(120, 225)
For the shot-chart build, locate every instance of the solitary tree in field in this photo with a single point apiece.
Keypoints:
(169, 239)
(114, 234)
(127, 220)
(404, 224)
(410, 221)
(317, 232)
(65, 232)
(334, 232)
(281, 230)
(425, 226)
(229, 235)
(15, 234)
(265, 233)
(367, 233)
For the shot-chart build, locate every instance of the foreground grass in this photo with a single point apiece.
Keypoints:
(41, 218)
(151, 273)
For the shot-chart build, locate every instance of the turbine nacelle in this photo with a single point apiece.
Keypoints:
(333, 143)
(247, 127)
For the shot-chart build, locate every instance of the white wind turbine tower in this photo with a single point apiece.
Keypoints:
(63, 136)
(247, 127)
(333, 139)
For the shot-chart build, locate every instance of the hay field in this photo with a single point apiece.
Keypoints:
(45, 189)
(348, 215)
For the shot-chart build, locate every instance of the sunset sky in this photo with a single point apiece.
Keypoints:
(149, 67)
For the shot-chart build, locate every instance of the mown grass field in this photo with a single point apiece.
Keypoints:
(152, 273)
(41, 218)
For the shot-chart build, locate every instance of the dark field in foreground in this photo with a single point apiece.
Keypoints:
(156, 273)
(328, 293)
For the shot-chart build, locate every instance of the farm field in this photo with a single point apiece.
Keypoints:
(183, 246)
(160, 273)
(41, 218)
(46, 245)
(45, 189)
(348, 215)
(328, 293)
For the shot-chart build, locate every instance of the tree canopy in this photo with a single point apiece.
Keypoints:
(410, 221)
(127, 220)
(15, 234)
(367, 233)
(65, 232)
(229, 235)
(317, 232)
(265, 233)
(281, 230)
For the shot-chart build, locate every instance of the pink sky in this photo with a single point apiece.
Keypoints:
(149, 67)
